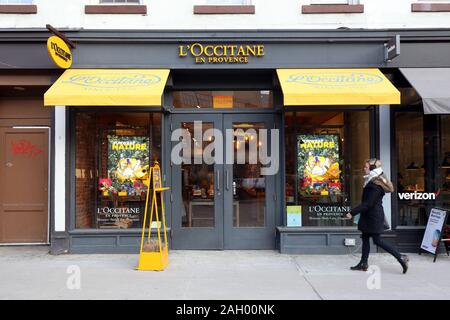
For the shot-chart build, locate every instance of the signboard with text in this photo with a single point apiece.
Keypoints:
(433, 231)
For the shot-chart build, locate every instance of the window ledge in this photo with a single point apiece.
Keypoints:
(332, 8)
(224, 9)
(115, 9)
(18, 8)
(430, 7)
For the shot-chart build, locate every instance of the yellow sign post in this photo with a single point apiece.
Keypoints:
(154, 255)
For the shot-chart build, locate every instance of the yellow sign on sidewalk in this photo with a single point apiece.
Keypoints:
(154, 254)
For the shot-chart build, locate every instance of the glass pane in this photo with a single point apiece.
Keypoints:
(197, 181)
(241, 2)
(248, 186)
(119, 1)
(325, 154)
(17, 1)
(223, 99)
(410, 167)
(113, 154)
(444, 162)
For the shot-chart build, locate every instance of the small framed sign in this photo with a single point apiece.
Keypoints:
(294, 216)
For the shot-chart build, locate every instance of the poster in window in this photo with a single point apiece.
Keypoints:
(318, 165)
(123, 190)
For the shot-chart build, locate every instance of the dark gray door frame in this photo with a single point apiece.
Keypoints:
(195, 237)
(250, 237)
(223, 235)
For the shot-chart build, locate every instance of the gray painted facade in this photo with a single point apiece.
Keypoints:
(283, 49)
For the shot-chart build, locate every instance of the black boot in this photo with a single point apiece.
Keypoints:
(361, 266)
(404, 262)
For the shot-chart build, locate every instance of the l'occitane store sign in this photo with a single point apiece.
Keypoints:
(59, 51)
(221, 53)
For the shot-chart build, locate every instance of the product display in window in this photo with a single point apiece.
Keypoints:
(318, 165)
(128, 158)
(113, 154)
(324, 174)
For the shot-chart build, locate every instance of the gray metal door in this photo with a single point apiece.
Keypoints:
(226, 204)
(249, 196)
(197, 188)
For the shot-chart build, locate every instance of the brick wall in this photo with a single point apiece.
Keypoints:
(86, 185)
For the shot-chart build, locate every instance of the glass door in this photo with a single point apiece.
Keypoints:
(249, 192)
(221, 198)
(197, 183)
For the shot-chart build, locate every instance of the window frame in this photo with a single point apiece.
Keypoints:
(71, 173)
(374, 149)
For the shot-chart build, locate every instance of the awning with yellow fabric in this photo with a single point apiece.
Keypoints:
(108, 87)
(336, 87)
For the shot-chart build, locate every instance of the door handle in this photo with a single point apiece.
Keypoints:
(227, 180)
(218, 180)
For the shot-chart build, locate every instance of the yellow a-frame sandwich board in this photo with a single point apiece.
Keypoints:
(158, 259)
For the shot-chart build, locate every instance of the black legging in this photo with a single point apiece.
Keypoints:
(377, 241)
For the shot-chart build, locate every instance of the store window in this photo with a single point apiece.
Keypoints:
(112, 157)
(422, 144)
(119, 1)
(16, 1)
(232, 2)
(444, 163)
(223, 99)
(325, 155)
(335, 2)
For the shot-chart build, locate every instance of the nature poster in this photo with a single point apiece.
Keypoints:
(318, 164)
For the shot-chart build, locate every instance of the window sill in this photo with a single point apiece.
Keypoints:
(332, 8)
(18, 8)
(224, 9)
(115, 9)
(430, 7)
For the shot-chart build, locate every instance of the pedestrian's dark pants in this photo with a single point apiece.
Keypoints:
(377, 241)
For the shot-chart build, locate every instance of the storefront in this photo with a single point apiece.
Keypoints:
(314, 111)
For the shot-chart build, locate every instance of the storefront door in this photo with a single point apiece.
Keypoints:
(224, 204)
(24, 185)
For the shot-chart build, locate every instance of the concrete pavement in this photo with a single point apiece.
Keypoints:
(31, 273)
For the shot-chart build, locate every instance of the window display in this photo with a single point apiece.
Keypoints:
(112, 169)
(423, 162)
(318, 165)
(325, 154)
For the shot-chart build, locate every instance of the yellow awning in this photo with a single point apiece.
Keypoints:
(336, 87)
(108, 87)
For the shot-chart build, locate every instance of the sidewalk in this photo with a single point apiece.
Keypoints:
(31, 273)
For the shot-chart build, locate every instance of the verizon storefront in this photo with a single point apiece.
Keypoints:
(311, 113)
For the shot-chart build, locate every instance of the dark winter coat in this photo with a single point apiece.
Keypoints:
(371, 212)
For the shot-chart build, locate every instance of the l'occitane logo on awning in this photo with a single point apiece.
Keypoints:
(60, 52)
(335, 79)
(114, 81)
(221, 53)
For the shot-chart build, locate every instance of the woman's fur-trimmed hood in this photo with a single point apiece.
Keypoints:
(384, 182)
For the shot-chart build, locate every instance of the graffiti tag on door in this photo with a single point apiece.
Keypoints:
(25, 147)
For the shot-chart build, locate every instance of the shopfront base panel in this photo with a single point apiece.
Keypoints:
(318, 241)
(91, 242)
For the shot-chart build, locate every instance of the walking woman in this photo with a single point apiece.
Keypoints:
(372, 221)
